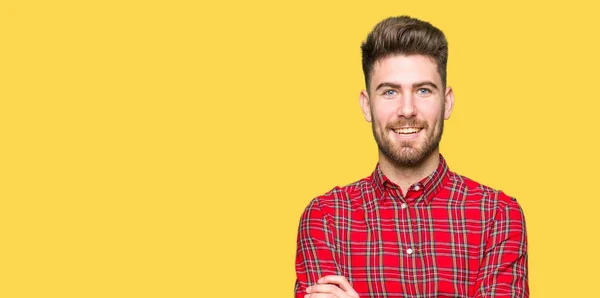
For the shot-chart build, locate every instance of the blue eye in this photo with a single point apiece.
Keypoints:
(423, 91)
(389, 93)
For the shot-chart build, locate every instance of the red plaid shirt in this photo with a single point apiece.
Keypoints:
(447, 237)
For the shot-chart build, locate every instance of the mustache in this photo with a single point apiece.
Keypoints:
(410, 122)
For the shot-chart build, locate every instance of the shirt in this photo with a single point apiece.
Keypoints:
(448, 236)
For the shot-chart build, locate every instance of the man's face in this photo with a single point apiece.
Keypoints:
(407, 108)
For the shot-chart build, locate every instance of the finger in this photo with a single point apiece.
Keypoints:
(340, 281)
(325, 289)
(320, 295)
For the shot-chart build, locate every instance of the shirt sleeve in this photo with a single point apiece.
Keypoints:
(503, 271)
(315, 249)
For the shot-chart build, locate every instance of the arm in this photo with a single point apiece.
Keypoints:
(315, 249)
(503, 270)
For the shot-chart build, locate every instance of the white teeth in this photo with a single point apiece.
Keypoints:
(407, 130)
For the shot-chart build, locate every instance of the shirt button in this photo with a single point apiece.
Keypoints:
(409, 251)
(403, 206)
(417, 188)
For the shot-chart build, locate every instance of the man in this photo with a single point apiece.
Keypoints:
(412, 228)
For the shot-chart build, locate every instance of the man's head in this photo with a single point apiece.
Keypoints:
(406, 98)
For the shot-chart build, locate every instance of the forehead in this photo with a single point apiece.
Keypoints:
(405, 69)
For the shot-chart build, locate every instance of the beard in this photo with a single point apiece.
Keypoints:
(408, 153)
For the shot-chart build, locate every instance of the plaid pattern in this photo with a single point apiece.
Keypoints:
(447, 237)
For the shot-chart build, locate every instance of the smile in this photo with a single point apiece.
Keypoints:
(407, 130)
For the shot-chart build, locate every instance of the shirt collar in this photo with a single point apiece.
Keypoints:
(430, 185)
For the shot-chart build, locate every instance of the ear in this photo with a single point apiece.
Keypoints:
(448, 103)
(365, 105)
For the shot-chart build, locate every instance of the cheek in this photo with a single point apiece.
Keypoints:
(432, 113)
(383, 114)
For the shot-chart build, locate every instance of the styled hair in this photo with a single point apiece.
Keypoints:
(404, 35)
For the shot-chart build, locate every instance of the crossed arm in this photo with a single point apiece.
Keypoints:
(503, 270)
(316, 268)
(502, 273)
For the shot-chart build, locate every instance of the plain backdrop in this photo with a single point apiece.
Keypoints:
(168, 148)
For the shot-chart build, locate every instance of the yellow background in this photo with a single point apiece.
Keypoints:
(168, 148)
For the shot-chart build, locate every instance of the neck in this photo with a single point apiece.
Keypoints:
(405, 176)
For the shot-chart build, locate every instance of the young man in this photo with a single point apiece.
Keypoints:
(412, 228)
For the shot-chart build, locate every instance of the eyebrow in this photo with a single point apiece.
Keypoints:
(415, 85)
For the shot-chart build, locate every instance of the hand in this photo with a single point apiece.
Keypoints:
(331, 286)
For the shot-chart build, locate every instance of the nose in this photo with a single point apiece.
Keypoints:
(407, 106)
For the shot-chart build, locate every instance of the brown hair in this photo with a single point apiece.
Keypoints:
(404, 35)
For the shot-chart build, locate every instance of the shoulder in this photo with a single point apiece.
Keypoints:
(348, 197)
(470, 191)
